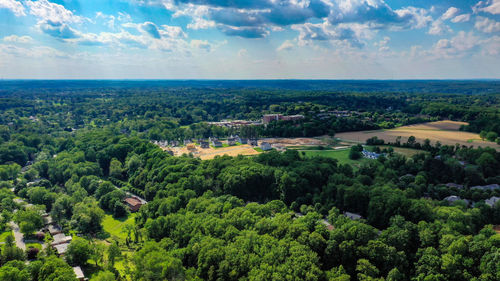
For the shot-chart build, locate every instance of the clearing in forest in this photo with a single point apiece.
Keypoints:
(447, 132)
(210, 153)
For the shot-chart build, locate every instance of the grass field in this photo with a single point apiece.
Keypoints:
(447, 132)
(341, 155)
(4, 235)
(408, 152)
(115, 226)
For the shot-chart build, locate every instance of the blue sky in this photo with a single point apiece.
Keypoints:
(249, 39)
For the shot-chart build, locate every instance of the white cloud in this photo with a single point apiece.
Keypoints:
(451, 12)
(15, 6)
(458, 46)
(490, 6)
(382, 44)
(18, 39)
(461, 18)
(438, 27)
(487, 25)
(286, 46)
(48, 11)
(201, 44)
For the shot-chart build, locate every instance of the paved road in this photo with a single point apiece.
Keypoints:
(18, 236)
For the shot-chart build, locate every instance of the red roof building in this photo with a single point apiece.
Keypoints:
(133, 203)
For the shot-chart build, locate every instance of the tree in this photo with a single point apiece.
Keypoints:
(62, 208)
(87, 216)
(113, 253)
(55, 269)
(29, 220)
(355, 152)
(79, 251)
(14, 271)
(491, 136)
(103, 276)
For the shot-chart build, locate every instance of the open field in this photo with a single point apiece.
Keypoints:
(210, 153)
(444, 131)
(245, 149)
(295, 141)
(341, 155)
(408, 152)
(115, 227)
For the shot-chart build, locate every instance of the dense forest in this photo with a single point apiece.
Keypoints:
(75, 150)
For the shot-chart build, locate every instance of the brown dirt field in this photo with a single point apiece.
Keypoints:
(444, 131)
(210, 153)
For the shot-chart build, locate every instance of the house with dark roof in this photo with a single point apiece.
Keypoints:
(133, 203)
(204, 144)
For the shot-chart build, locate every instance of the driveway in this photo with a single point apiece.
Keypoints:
(18, 236)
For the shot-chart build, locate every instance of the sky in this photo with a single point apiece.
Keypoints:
(250, 39)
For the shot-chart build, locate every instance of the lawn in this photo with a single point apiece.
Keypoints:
(341, 155)
(4, 235)
(114, 226)
(34, 245)
(408, 152)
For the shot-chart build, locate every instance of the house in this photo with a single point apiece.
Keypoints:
(243, 141)
(216, 143)
(352, 216)
(60, 238)
(266, 119)
(454, 198)
(492, 201)
(133, 203)
(188, 141)
(79, 273)
(370, 155)
(204, 144)
(174, 143)
(231, 141)
(236, 138)
(61, 249)
(265, 146)
(486, 187)
(454, 185)
(48, 220)
(54, 229)
(191, 146)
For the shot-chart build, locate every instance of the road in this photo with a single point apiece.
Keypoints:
(18, 236)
